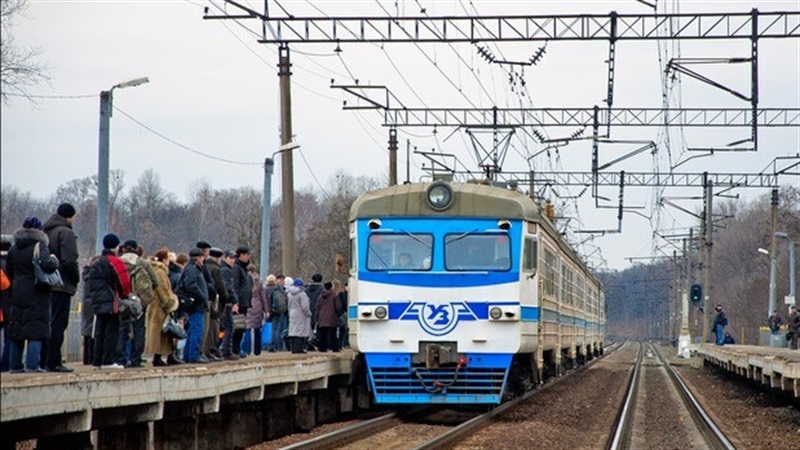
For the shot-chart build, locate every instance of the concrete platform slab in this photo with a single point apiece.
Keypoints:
(777, 367)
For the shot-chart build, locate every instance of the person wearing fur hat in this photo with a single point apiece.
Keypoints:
(299, 316)
(64, 245)
(30, 304)
(194, 286)
(164, 302)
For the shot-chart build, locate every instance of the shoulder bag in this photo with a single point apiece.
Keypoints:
(42, 278)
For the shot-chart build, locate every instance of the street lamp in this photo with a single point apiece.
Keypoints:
(773, 270)
(106, 98)
(792, 262)
(266, 208)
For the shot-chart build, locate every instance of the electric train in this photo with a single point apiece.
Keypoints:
(465, 293)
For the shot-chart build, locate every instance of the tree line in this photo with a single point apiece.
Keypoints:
(637, 299)
(226, 218)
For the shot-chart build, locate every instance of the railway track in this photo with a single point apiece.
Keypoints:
(656, 407)
(416, 430)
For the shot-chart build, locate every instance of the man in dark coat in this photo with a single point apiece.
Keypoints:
(64, 245)
(5, 302)
(193, 284)
(313, 290)
(794, 326)
(720, 322)
(30, 304)
(243, 285)
(217, 306)
(329, 308)
(107, 282)
(231, 305)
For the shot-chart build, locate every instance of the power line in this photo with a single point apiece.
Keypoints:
(185, 147)
(58, 97)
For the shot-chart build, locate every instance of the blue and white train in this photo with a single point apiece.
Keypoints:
(465, 293)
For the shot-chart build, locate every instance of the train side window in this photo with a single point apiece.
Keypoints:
(530, 255)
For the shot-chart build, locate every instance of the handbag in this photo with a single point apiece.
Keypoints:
(172, 329)
(42, 278)
(239, 321)
(130, 308)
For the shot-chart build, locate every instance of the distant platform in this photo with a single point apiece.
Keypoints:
(777, 367)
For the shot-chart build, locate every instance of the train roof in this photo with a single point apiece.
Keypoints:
(469, 199)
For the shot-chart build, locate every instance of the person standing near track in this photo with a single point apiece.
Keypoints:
(794, 326)
(720, 322)
(64, 245)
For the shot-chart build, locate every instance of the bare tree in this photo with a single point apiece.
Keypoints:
(19, 67)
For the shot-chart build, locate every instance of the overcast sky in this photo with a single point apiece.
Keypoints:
(214, 89)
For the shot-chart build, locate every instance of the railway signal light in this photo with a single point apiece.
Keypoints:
(696, 293)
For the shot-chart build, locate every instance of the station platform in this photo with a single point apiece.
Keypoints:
(777, 367)
(41, 404)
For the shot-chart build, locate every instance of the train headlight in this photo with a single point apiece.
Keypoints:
(380, 312)
(439, 196)
(495, 312)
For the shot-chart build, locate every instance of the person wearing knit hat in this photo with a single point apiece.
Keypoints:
(63, 244)
(32, 222)
(66, 211)
(110, 241)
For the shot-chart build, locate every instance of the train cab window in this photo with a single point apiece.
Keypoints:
(399, 251)
(530, 255)
(468, 251)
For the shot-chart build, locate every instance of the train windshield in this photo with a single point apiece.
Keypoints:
(471, 251)
(399, 251)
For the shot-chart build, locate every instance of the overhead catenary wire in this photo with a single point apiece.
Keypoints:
(183, 146)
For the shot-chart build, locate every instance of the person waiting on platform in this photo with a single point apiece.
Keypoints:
(728, 338)
(775, 322)
(720, 322)
(794, 327)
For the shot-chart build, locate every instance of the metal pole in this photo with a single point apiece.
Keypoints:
(709, 222)
(266, 205)
(792, 272)
(287, 165)
(102, 170)
(392, 156)
(773, 247)
(408, 160)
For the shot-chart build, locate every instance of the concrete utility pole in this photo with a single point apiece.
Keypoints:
(266, 208)
(287, 164)
(102, 170)
(708, 243)
(392, 156)
(684, 338)
(103, 158)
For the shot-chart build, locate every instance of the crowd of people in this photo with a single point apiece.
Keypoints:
(203, 306)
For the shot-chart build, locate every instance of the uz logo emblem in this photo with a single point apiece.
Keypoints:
(439, 310)
(438, 320)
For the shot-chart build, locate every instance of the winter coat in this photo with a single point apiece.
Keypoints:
(259, 306)
(174, 275)
(30, 305)
(107, 282)
(227, 277)
(721, 319)
(313, 290)
(132, 260)
(219, 284)
(242, 284)
(164, 302)
(299, 313)
(64, 244)
(195, 286)
(775, 323)
(329, 308)
(87, 312)
(794, 322)
(5, 296)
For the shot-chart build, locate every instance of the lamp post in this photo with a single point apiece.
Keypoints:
(106, 99)
(792, 267)
(269, 164)
(773, 269)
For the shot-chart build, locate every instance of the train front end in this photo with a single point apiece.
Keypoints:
(435, 298)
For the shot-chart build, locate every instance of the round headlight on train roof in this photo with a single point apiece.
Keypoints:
(380, 312)
(439, 196)
(495, 312)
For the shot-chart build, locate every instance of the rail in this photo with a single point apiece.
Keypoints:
(624, 424)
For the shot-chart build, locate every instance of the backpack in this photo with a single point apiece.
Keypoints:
(141, 285)
(278, 302)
